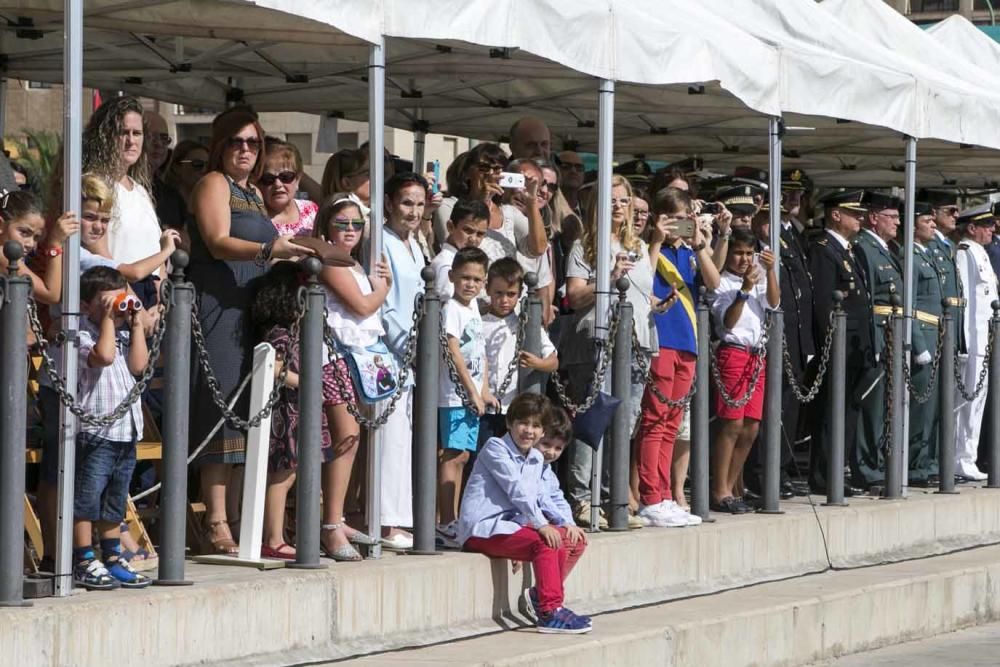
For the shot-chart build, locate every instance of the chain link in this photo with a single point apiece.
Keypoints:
(134, 394)
(801, 394)
(212, 381)
(409, 354)
(983, 371)
(522, 325)
(917, 396)
(644, 366)
(606, 350)
(887, 403)
(758, 361)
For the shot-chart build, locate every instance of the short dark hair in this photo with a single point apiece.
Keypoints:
(529, 406)
(470, 256)
(99, 279)
(402, 180)
(507, 269)
(670, 200)
(558, 425)
(466, 208)
(742, 236)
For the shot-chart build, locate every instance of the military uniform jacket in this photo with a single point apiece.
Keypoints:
(979, 285)
(885, 279)
(942, 251)
(834, 267)
(928, 291)
(796, 296)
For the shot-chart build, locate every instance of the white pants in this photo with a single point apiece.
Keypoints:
(969, 417)
(397, 449)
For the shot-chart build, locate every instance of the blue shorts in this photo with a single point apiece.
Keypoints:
(103, 474)
(458, 428)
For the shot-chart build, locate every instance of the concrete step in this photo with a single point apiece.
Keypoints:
(243, 617)
(794, 622)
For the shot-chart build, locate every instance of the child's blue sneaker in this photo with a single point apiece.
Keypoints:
(529, 604)
(126, 575)
(562, 622)
(92, 575)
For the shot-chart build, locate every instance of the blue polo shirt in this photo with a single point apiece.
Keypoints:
(677, 269)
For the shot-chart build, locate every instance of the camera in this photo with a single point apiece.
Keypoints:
(633, 256)
(712, 207)
(510, 180)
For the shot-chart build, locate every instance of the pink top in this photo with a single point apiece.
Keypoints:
(304, 225)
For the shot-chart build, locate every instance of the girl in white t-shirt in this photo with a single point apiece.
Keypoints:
(353, 302)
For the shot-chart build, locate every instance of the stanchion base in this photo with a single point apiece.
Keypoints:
(306, 566)
(991, 486)
(22, 603)
(172, 582)
(706, 519)
(612, 529)
(770, 511)
(260, 563)
(36, 587)
(829, 504)
(419, 552)
(953, 492)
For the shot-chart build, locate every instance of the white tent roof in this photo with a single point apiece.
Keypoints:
(957, 35)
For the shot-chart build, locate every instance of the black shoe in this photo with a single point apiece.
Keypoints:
(730, 505)
(787, 490)
(750, 505)
(750, 495)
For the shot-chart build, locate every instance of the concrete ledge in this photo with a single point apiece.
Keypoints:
(794, 622)
(246, 617)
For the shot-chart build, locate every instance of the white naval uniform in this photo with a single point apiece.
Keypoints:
(979, 285)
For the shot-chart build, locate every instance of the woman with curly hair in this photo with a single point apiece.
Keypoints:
(114, 148)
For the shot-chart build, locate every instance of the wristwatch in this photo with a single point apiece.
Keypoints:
(742, 296)
(699, 247)
(50, 251)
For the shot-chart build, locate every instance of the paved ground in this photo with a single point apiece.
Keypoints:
(976, 647)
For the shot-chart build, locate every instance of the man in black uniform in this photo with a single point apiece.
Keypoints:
(833, 266)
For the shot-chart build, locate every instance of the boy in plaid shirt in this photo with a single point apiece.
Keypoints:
(112, 351)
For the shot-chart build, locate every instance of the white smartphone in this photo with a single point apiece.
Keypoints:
(511, 181)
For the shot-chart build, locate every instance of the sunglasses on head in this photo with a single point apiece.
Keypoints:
(357, 224)
(195, 164)
(252, 143)
(285, 177)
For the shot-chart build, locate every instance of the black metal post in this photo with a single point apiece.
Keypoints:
(13, 425)
(621, 388)
(894, 460)
(528, 380)
(425, 424)
(993, 479)
(946, 391)
(176, 409)
(700, 415)
(772, 415)
(838, 403)
(307, 476)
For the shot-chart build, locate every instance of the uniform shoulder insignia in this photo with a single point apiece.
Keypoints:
(823, 241)
(963, 246)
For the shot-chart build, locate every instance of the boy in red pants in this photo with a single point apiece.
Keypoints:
(507, 513)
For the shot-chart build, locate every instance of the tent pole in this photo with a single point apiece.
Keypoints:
(3, 106)
(376, 165)
(606, 105)
(419, 143)
(771, 470)
(73, 157)
(908, 222)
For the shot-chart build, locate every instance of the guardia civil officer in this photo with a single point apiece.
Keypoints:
(833, 265)
(928, 291)
(884, 274)
(978, 283)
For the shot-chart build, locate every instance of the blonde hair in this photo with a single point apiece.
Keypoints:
(625, 233)
(94, 188)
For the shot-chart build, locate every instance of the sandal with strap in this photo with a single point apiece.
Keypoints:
(346, 552)
(357, 537)
(225, 546)
(283, 551)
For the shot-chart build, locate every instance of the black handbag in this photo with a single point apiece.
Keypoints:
(590, 426)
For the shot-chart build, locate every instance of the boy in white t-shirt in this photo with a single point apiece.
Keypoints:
(503, 286)
(466, 229)
(748, 288)
(458, 424)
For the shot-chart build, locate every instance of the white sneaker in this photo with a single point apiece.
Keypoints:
(972, 472)
(446, 536)
(691, 519)
(658, 516)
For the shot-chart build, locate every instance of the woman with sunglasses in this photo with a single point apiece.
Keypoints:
(353, 302)
(232, 242)
(279, 184)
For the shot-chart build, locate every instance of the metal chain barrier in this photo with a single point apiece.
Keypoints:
(134, 394)
(205, 364)
(600, 370)
(802, 394)
(983, 371)
(644, 366)
(759, 359)
(409, 354)
(885, 442)
(522, 323)
(932, 381)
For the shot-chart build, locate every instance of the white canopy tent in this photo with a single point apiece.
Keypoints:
(958, 36)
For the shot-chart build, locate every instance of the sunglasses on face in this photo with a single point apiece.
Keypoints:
(487, 167)
(357, 224)
(286, 177)
(548, 185)
(252, 143)
(640, 215)
(197, 165)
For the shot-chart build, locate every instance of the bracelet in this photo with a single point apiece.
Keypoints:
(725, 237)
(699, 247)
(264, 254)
(742, 296)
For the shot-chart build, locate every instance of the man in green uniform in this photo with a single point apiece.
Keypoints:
(884, 274)
(928, 291)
